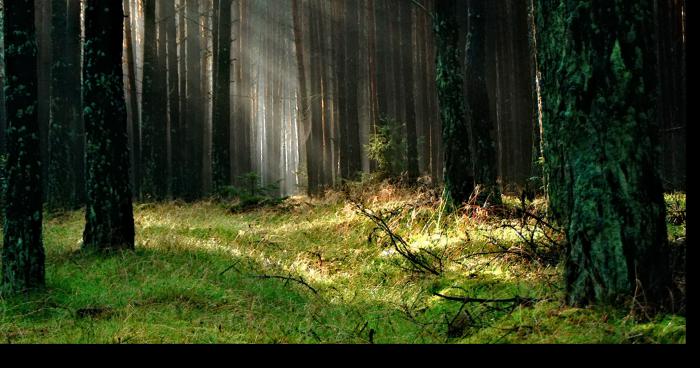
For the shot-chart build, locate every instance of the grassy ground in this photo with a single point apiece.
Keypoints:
(306, 273)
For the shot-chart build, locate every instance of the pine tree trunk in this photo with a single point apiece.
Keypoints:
(409, 100)
(135, 122)
(482, 127)
(600, 144)
(23, 250)
(43, 30)
(221, 149)
(303, 98)
(174, 158)
(154, 122)
(459, 181)
(195, 104)
(109, 216)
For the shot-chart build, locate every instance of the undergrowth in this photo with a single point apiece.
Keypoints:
(317, 271)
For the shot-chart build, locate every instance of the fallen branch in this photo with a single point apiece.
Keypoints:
(465, 300)
(418, 261)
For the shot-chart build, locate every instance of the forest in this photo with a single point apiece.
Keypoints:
(343, 171)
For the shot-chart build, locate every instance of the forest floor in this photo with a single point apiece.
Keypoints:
(316, 271)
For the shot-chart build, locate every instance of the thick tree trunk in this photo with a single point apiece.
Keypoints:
(23, 250)
(600, 145)
(459, 180)
(109, 216)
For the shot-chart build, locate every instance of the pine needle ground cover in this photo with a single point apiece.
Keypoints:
(315, 271)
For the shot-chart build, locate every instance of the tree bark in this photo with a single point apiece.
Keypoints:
(600, 144)
(109, 215)
(482, 127)
(23, 250)
(221, 150)
(459, 181)
(135, 121)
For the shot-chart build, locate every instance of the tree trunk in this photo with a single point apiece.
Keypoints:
(195, 104)
(174, 109)
(407, 89)
(43, 30)
(23, 250)
(109, 216)
(600, 145)
(459, 181)
(482, 127)
(221, 150)
(153, 184)
(135, 122)
(303, 98)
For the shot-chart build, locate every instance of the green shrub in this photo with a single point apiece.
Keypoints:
(251, 194)
(387, 147)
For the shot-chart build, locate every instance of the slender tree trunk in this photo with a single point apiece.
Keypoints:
(221, 150)
(43, 30)
(482, 127)
(179, 132)
(154, 152)
(135, 123)
(313, 146)
(303, 98)
(600, 139)
(23, 250)
(352, 47)
(73, 90)
(407, 89)
(195, 103)
(174, 152)
(242, 120)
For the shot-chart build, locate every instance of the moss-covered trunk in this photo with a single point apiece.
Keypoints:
(482, 127)
(109, 217)
(459, 181)
(23, 251)
(601, 146)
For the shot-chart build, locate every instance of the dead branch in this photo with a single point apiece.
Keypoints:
(517, 300)
(380, 220)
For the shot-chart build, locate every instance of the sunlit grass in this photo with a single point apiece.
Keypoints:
(195, 277)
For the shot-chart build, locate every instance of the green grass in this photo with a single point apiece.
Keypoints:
(195, 278)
